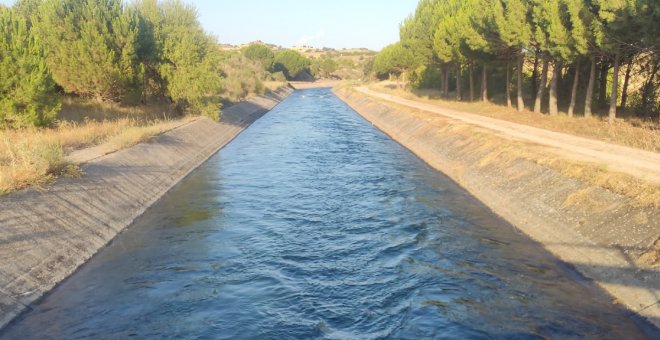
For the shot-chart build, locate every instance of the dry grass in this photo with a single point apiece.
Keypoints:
(503, 152)
(36, 156)
(494, 150)
(273, 85)
(632, 132)
(81, 110)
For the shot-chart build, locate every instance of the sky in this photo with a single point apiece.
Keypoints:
(320, 23)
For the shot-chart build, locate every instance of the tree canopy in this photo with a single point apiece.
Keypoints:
(499, 36)
(259, 53)
(91, 46)
(393, 59)
(108, 51)
(189, 59)
(291, 63)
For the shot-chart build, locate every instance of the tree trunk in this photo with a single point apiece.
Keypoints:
(614, 94)
(441, 85)
(535, 75)
(484, 83)
(626, 80)
(648, 90)
(590, 88)
(521, 101)
(508, 84)
(445, 91)
(471, 70)
(602, 87)
(458, 81)
(576, 79)
(552, 97)
(541, 85)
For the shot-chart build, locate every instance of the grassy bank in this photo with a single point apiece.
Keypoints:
(37, 156)
(632, 132)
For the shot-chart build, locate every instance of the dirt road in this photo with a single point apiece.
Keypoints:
(639, 163)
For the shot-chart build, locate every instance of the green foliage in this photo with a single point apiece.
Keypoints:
(187, 59)
(393, 59)
(259, 53)
(512, 24)
(418, 32)
(27, 91)
(425, 76)
(560, 31)
(291, 63)
(323, 67)
(500, 34)
(28, 9)
(91, 47)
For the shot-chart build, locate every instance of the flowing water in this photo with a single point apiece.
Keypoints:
(313, 224)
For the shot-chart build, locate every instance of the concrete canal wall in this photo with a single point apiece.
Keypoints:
(46, 234)
(609, 238)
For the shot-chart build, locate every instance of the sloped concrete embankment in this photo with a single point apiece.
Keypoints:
(45, 234)
(609, 238)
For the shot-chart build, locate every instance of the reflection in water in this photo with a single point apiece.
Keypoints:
(312, 224)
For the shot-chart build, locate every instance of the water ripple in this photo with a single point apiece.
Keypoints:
(311, 224)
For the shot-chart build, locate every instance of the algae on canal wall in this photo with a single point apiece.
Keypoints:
(608, 237)
(46, 234)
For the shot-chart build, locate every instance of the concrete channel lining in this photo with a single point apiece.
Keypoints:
(601, 239)
(47, 233)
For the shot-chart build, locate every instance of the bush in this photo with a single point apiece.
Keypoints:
(323, 67)
(278, 76)
(425, 77)
(242, 77)
(259, 53)
(27, 91)
(291, 63)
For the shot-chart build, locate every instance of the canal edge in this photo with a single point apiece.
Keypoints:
(601, 242)
(46, 234)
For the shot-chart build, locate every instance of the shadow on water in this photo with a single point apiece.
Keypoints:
(312, 224)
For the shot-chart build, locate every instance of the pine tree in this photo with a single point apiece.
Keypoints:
(27, 91)
(394, 59)
(91, 47)
(511, 18)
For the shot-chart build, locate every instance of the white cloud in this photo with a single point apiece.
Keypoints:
(309, 39)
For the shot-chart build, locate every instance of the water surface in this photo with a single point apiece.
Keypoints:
(313, 224)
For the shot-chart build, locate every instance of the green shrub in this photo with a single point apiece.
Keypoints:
(27, 91)
(259, 53)
(291, 63)
(186, 58)
(242, 77)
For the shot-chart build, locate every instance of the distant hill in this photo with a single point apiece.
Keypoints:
(309, 51)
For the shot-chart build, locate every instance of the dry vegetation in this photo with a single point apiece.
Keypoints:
(631, 132)
(500, 151)
(35, 156)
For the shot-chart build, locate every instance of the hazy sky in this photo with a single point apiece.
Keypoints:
(320, 23)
